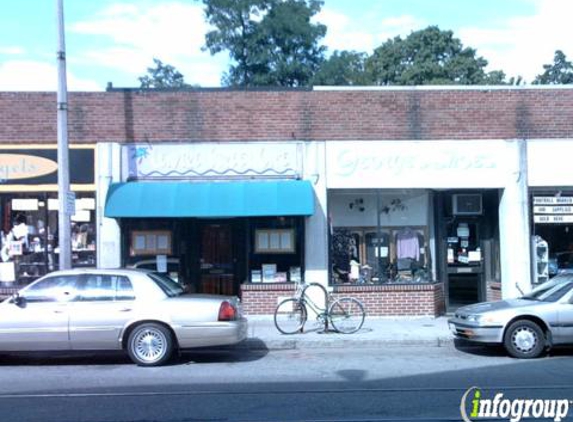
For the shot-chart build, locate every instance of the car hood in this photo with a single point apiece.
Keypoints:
(499, 305)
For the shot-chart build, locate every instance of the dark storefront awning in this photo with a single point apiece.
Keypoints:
(210, 199)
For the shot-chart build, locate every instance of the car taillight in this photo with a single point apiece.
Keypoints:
(227, 312)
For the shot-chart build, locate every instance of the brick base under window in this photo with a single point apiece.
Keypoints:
(379, 300)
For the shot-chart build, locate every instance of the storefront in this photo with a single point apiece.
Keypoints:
(215, 216)
(415, 227)
(29, 211)
(551, 205)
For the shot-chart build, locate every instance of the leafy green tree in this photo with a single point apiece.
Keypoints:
(560, 72)
(342, 68)
(428, 57)
(271, 42)
(162, 76)
(236, 23)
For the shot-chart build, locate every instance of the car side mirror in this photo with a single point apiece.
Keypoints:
(18, 300)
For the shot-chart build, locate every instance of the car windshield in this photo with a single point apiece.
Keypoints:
(551, 291)
(169, 286)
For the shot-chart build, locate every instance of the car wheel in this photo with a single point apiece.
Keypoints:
(524, 339)
(150, 344)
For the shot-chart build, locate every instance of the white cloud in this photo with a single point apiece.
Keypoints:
(366, 32)
(522, 45)
(11, 50)
(341, 33)
(38, 76)
(398, 26)
(172, 32)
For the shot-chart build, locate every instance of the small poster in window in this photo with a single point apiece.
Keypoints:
(7, 272)
(269, 271)
(381, 252)
(161, 262)
(280, 277)
(15, 248)
(295, 275)
(256, 276)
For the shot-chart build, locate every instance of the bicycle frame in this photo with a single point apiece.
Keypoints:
(345, 314)
(322, 313)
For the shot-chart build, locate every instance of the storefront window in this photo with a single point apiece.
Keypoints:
(29, 234)
(276, 250)
(379, 237)
(552, 234)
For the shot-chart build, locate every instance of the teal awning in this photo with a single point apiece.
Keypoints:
(210, 199)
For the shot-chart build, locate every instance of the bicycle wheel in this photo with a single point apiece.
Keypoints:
(290, 316)
(346, 315)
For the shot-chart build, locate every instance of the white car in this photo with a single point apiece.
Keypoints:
(142, 312)
(526, 326)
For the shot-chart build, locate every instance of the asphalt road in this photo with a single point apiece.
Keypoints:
(394, 383)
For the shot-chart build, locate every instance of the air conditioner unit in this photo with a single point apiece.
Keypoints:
(467, 204)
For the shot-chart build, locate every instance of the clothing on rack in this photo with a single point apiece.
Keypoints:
(407, 244)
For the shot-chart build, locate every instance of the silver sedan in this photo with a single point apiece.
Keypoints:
(144, 313)
(526, 326)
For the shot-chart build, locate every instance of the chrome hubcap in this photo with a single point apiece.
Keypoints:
(524, 339)
(149, 345)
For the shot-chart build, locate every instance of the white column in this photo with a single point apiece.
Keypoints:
(108, 170)
(514, 231)
(316, 227)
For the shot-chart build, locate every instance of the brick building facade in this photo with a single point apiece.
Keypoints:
(380, 162)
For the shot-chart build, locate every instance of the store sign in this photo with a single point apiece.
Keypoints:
(20, 166)
(28, 166)
(211, 161)
(552, 209)
(552, 200)
(417, 164)
(553, 219)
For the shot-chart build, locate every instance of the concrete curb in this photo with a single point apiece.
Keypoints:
(294, 344)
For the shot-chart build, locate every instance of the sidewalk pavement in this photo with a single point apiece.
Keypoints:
(376, 332)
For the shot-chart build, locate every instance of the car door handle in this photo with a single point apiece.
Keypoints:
(125, 310)
(59, 311)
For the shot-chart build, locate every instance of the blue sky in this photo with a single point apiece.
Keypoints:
(116, 40)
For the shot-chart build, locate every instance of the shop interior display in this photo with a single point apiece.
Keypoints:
(368, 256)
(540, 259)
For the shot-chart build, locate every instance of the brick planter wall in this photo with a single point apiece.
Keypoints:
(262, 299)
(378, 300)
(398, 299)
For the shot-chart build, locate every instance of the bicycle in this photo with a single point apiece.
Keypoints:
(345, 314)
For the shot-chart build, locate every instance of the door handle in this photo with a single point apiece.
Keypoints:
(125, 310)
(58, 311)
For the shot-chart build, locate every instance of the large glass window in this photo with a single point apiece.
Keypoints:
(379, 236)
(552, 233)
(29, 234)
(276, 249)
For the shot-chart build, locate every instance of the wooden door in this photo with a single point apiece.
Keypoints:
(217, 260)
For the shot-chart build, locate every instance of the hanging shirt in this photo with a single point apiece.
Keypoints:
(407, 244)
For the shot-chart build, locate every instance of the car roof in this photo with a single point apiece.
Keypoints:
(114, 271)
